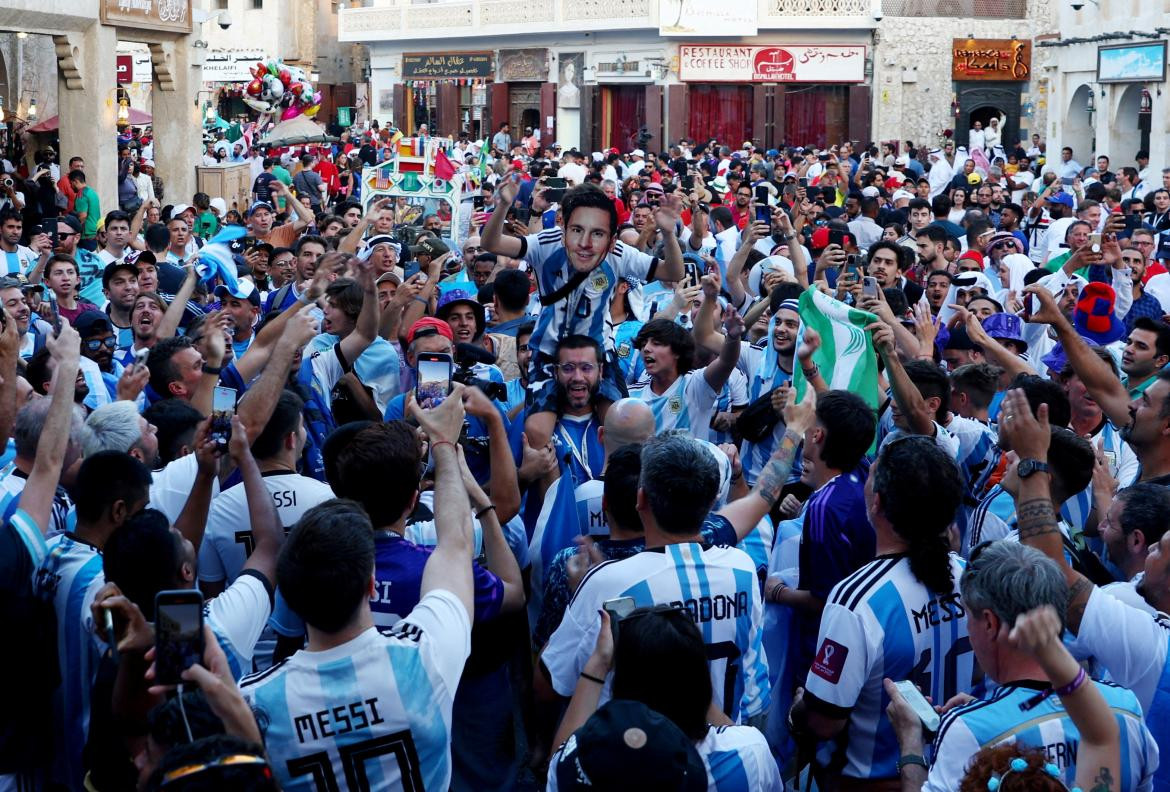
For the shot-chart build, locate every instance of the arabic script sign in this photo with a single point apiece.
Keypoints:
(798, 64)
(171, 15)
(446, 65)
(991, 59)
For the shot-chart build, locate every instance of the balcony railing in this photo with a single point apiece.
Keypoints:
(967, 9)
(403, 19)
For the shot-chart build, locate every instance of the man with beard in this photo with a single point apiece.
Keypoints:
(938, 286)
(32, 338)
(308, 250)
(1145, 415)
(243, 308)
(19, 260)
(261, 217)
(103, 373)
(120, 285)
(578, 268)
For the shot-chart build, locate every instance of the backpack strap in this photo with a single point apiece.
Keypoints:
(569, 286)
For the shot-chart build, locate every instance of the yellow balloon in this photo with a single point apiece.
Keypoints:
(312, 111)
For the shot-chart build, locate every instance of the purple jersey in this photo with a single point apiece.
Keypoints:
(398, 571)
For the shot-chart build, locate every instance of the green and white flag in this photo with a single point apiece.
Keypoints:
(846, 357)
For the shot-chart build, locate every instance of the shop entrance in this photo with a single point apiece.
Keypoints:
(982, 101)
(523, 108)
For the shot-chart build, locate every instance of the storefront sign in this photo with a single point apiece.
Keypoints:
(704, 18)
(168, 15)
(231, 66)
(1132, 63)
(446, 65)
(524, 65)
(830, 63)
(125, 66)
(991, 59)
(133, 67)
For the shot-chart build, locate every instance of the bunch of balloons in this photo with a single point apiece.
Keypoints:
(281, 90)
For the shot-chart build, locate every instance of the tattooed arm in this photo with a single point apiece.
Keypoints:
(1099, 755)
(1029, 437)
(746, 512)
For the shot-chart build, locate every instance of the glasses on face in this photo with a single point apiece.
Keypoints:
(94, 344)
(66, 235)
(472, 249)
(569, 369)
(523, 348)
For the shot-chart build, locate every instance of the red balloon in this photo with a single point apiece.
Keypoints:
(259, 70)
(285, 77)
(297, 88)
(255, 87)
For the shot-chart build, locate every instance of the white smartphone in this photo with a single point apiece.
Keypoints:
(140, 357)
(869, 286)
(930, 719)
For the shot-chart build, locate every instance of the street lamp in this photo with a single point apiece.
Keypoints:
(32, 108)
(1090, 103)
(123, 112)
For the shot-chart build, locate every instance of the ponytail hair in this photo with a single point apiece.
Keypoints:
(920, 492)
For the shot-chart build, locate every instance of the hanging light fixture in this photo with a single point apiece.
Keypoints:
(123, 112)
(1090, 103)
(1147, 104)
(32, 108)
(210, 114)
(955, 110)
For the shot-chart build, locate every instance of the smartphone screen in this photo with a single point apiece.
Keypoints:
(688, 182)
(836, 237)
(555, 195)
(691, 272)
(556, 182)
(178, 634)
(1067, 180)
(223, 405)
(477, 203)
(618, 608)
(432, 377)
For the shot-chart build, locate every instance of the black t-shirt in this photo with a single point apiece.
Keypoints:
(262, 187)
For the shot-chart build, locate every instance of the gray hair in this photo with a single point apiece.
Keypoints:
(610, 182)
(112, 427)
(30, 423)
(1009, 579)
(681, 481)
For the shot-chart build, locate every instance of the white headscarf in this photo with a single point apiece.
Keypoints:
(1018, 266)
(940, 173)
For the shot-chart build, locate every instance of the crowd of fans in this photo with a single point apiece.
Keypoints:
(563, 487)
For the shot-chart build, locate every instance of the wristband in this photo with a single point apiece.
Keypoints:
(809, 373)
(1071, 687)
(592, 678)
(911, 759)
(479, 514)
(438, 443)
(776, 592)
(305, 298)
(212, 369)
(421, 300)
(797, 439)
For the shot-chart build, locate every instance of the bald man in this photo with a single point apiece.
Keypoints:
(627, 421)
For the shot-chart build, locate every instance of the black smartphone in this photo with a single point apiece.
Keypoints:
(555, 194)
(618, 608)
(49, 227)
(829, 195)
(1133, 222)
(688, 182)
(477, 203)
(763, 211)
(223, 406)
(802, 181)
(556, 182)
(851, 267)
(178, 634)
(691, 273)
(836, 237)
(432, 378)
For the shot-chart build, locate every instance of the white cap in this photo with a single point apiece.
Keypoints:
(900, 194)
(769, 264)
(219, 204)
(871, 192)
(178, 209)
(598, 156)
(637, 153)
(902, 160)
(395, 274)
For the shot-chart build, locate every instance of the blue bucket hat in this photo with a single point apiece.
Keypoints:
(455, 297)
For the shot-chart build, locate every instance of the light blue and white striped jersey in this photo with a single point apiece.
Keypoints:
(976, 445)
(629, 357)
(998, 720)
(881, 621)
(584, 311)
(733, 395)
(62, 518)
(70, 577)
(718, 585)
(372, 713)
(760, 364)
(1123, 464)
(688, 403)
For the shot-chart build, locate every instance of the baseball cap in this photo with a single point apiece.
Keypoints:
(870, 191)
(627, 745)
(90, 322)
(453, 297)
(178, 209)
(902, 195)
(393, 276)
(260, 205)
(71, 221)
(903, 160)
(219, 205)
(1062, 198)
(427, 326)
(637, 153)
(245, 290)
(115, 266)
(430, 246)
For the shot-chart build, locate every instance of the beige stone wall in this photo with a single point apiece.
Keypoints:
(912, 71)
(36, 72)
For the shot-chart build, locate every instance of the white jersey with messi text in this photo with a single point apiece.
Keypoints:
(689, 403)
(881, 621)
(717, 585)
(999, 719)
(372, 713)
(584, 310)
(228, 540)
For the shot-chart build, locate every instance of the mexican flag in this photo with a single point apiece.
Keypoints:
(846, 357)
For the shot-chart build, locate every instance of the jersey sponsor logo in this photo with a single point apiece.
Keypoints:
(599, 281)
(830, 661)
(623, 350)
(674, 404)
(336, 721)
(938, 611)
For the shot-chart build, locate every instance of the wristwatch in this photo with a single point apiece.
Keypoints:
(1029, 466)
(216, 370)
(911, 759)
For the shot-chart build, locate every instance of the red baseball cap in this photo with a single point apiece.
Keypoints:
(429, 325)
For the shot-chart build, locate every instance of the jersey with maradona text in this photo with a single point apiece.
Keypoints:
(372, 713)
(584, 310)
(716, 584)
(881, 621)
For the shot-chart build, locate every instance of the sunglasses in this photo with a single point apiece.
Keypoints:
(94, 344)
